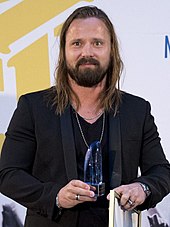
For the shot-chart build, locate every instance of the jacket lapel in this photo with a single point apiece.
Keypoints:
(115, 150)
(68, 145)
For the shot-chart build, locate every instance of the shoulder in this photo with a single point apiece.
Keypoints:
(130, 100)
(127, 97)
(134, 112)
(37, 101)
(38, 97)
(133, 104)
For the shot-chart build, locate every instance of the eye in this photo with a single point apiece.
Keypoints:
(98, 43)
(76, 43)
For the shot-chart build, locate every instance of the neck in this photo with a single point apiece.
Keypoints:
(89, 101)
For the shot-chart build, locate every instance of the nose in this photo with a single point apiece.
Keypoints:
(87, 50)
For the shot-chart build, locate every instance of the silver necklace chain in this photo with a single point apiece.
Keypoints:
(81, 131)
(86, 118)
(92, 118)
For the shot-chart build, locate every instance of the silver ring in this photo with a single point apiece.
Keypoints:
(130, 202)
(77, 197)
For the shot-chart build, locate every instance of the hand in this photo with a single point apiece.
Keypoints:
(131, 195)
(75, 192)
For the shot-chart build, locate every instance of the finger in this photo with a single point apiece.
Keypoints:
(80, 184)
(108, 196)
(80, 188)
(84, 192)
(81, 198)
(124, 200)
(130, 202)
(130, 205)
(92, 188)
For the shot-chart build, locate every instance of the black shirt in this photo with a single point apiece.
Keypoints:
(92, 213)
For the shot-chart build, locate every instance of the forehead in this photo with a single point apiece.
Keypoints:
(81, 28)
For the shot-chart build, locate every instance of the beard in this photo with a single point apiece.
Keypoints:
(87, 77)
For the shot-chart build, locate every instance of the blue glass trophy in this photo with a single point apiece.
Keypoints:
(93, 168)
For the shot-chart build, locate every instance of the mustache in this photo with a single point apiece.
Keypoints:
(83, 61)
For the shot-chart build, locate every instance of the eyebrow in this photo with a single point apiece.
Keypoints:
(98, 39)
(75, 40)
(94, 39)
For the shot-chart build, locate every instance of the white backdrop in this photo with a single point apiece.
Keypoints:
(143, 28)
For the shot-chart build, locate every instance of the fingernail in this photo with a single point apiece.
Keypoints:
(87, 187)
(92, 194)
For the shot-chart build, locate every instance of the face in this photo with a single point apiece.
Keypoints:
(87, 51)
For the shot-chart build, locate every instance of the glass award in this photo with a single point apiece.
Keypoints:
(93, 168)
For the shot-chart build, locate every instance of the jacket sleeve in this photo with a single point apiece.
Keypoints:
(155, 169)
(16, 164)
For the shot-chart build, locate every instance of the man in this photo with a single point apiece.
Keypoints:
(46, 142)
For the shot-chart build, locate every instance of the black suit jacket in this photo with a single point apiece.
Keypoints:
(39, 157)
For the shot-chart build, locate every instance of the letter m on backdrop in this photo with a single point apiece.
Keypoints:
(167, 46)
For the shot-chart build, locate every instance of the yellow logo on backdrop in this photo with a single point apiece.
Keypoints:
(28, 28)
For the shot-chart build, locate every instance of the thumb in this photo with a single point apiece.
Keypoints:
(108, 196)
